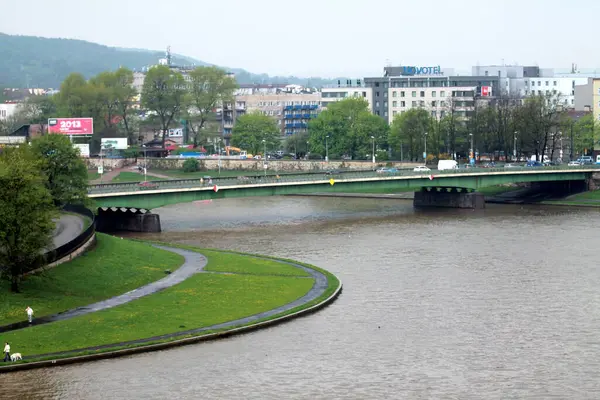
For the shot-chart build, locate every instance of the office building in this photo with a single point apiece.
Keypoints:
(333, 94)
(419, 85)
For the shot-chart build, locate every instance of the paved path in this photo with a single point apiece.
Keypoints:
(68, 227)
(109, 176)
(194, 263)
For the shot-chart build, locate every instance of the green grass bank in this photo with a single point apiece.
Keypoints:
(234, 286)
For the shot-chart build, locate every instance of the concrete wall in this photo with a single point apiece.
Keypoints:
(584, 96)
(250, 165)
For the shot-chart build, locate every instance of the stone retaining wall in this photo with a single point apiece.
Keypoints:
(250, 165)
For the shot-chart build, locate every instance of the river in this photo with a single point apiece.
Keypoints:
(498, 303)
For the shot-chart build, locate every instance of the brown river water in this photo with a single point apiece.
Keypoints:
(502, 303)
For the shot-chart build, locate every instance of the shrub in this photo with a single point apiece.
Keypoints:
(191, 165)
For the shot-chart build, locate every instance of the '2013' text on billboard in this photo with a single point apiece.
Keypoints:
(71, 126)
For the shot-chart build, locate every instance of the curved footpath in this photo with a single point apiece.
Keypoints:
(68, 227)
(194, 263)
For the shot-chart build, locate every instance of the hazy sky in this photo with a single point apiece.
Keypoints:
(327, 37)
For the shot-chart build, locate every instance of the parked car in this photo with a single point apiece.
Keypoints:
(421, 168)
(585, 160)
(511, 165)
(574, 163)
(387, 170)
(534, 164)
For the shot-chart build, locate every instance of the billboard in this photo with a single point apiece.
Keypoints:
(12, 139)
(84, 149)
(486, 91)
(114, 143)
(177, 132)
(71, 126)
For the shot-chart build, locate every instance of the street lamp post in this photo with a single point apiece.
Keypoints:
(472, 155)
(145, 163)
(373, 139)
(515, 146)
(326, 149)
(265, 156)
(425, 152)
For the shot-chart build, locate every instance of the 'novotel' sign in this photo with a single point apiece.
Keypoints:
(422, 70)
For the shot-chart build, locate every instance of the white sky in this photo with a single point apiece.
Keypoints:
(327, 38)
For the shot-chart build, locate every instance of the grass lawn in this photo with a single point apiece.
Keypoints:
(590, 199)
(230, 262)
(202, 300)
(133, 177)
(114, 267)
(93, 174)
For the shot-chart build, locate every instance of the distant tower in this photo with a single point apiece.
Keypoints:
(168, 55)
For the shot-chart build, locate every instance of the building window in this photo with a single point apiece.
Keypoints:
(442, 104)
(422, 94)
(433, 104)
(414, 94)
(376, 84)
(385, 104)
(394, 104)
(384, 94)
(376, 94)
(402, 94)
(421, 103)
(442, 94)
(385, 114)
(554, 83)
(433, 114)
(376, 112)
(394, 113)
(402, 104)
(414, 103)
(376, 104)
(546, 83)
(532, 83)
(433, 93)
(394, 93)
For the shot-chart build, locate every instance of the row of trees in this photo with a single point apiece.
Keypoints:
(36, 181)
(537, 125)
(110, 98)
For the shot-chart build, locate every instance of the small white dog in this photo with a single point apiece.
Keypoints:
(16, 357)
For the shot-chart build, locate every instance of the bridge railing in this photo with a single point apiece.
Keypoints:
(321, 177)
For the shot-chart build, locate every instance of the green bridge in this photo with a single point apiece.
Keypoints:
(163, 193)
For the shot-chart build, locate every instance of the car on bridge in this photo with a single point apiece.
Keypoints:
(421, 168)
(387, 170)
(534, 164)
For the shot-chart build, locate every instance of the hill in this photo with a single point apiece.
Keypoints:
(30, 61)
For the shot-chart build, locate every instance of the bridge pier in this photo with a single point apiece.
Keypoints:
(119, 219)
(448, 197)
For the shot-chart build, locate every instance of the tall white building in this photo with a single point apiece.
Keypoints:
(334, 94)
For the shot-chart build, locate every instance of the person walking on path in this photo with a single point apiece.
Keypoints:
(29, 313)
(6, 352)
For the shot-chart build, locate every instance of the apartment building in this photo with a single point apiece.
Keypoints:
(7, 109)
(292, 106)
(419, 85)
(438, 101)
(336, 93)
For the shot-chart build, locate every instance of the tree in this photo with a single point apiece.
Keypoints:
(26, 213)
(297, 143)
(251, 129)
(346, 128)
(163, 94)
(65, 171)
(124, 95)
(209, 88)
(586, 132)
(408, 130)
